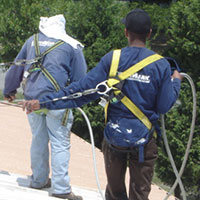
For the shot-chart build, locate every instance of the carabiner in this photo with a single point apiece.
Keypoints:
(75, 95)
(103, 86)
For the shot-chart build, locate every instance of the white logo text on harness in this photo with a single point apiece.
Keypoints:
(44, 43)
(140, 78)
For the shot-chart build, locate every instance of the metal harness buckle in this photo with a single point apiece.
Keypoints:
(103, 86)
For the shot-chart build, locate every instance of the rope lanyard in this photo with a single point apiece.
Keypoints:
(21, 62)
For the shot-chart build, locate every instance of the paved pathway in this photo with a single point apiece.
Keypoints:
(2, 78)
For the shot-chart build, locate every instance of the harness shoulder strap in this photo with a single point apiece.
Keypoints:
(115, 62)
(52, 47)
(36, 45)
(132, 70)
(37, 48)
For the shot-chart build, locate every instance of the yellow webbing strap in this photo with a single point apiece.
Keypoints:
(44, 70)
(37, 48)
(65, 117)
(115, 62)
(106, 112)
(51, 79)
(41, 111)
(133, 69)
(53, 47)
(36, 44)
(112, 73)
(136, 111)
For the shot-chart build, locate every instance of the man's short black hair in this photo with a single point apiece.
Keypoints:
(137, 21)
(141, 37)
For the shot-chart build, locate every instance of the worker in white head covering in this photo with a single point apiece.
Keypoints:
(62, 62)
(54, 27)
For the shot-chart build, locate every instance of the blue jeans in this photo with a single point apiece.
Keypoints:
(47, 128)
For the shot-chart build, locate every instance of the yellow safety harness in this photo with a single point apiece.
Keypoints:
(114, 80)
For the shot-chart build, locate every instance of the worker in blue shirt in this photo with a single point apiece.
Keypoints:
(60, 62)
(128, 137)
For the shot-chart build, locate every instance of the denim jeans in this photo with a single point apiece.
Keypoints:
(47, 128)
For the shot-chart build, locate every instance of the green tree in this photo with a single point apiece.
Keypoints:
(184, 30)
(176, 34)
(183, 45)
(178, 122)
(97, 24)
(20, 19)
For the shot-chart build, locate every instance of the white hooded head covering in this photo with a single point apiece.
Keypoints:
(54, 27)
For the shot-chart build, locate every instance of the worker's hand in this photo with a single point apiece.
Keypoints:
(30, 105)
(10, 98)
(176, 74)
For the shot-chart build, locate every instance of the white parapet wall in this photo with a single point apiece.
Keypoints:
(2, 77)
(15, 187)
(2, 80)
